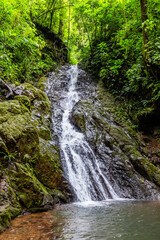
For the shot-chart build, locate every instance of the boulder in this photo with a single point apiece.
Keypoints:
(31, 177)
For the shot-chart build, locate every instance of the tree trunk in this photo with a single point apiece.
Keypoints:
(60, 31)
(153, 69)
(69, 22)
(51, 20)
(144, 17)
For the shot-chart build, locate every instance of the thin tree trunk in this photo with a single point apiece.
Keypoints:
(69, 22)
(51, 20)
(144, 17)
(83, 38)
(60, 31)
(153, 69)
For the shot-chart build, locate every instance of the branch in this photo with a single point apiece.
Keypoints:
(6, 86)
(53, 9)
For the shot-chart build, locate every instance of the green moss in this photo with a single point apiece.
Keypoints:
(42, 82)
(12, 129)
(103, 96)
(147, 169)
(30, 191)
(10, 106)
(34, 93)
(44, 132)
(23, 100)
(3, 151)
(42, 107)
(29, 164)
(142, 165)
(79, 120)
(9, 206)
(48, 167)
(5, 218)
(119, 135)
(31, 137)
(9, 109)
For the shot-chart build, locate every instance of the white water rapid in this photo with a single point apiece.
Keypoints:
(83, 170)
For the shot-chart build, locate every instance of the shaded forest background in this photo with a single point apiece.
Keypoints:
(118, 41)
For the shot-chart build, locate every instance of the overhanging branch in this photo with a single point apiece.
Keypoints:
(52, 10)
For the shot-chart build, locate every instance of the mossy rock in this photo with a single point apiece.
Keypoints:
(9, 109)
(42, 82)
(9, 206)
(47, 167)
(42, 107)
(17, 132)
(34, 93)
(30, 192)
(142, 165)
(13, 120)
(44, 132)
(29, 163)
(28, 143)
(5, 218)
(79, 120)
(23, 100)
(145, 168)
(3, 151)
(119, 135)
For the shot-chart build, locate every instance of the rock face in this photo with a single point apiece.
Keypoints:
(115, 144)
(31, 177)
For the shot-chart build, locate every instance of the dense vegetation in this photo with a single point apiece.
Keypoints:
(124, 50)
(116, 40)
(24, 53)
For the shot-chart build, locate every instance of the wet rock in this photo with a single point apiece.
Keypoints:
(116, 146)
(5, 219)
(31, 177)
(30, 191)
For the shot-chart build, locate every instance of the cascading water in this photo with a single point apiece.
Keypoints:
(82, 168)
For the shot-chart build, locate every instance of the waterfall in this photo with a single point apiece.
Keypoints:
(82, 168)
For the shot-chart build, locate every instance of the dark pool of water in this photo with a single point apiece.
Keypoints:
(120, 220)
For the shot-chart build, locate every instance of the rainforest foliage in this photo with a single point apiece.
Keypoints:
(123, 48)
(116, 40)
(24, 53)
